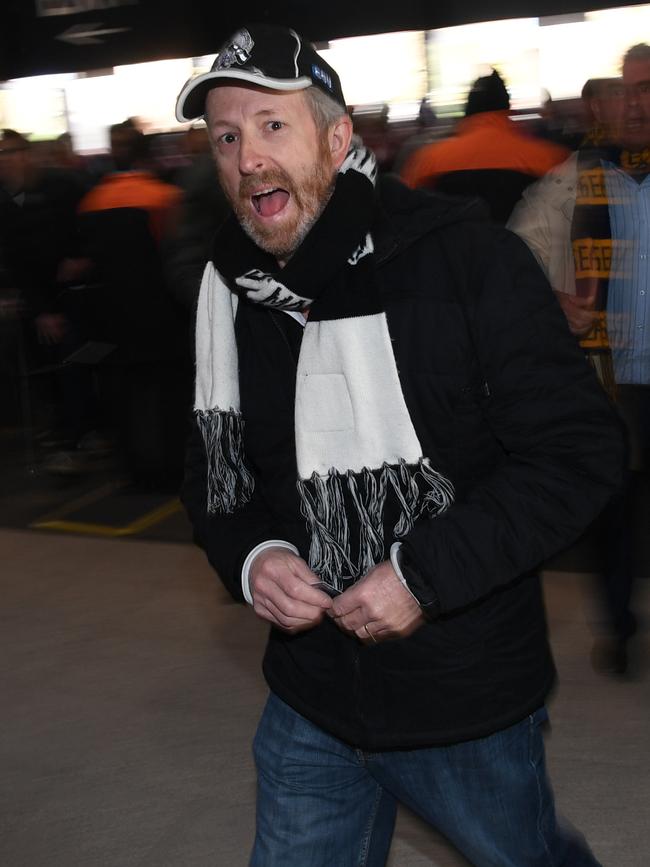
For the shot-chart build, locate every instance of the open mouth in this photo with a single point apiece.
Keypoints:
(270, 202)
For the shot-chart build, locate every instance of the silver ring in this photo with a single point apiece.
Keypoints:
(369, 633)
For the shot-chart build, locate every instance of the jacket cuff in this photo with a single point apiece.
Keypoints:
(248, 562)
(423, 592)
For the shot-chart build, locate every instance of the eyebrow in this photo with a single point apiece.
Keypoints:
(263, 112)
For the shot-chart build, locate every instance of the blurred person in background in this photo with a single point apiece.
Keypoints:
(10, 344)
(558, 124)
(489, 155)
(89, 168)
(39, 243)
(37, 212)
(143, 378)
(600, 98)
(543, 216)
(383, 452)
(202, 210)
(588, 223)
(429, 128)
(377, 133)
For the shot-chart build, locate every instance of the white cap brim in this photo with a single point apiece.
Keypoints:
(198, 88)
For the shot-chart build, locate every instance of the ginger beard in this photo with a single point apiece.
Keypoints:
(307, 195)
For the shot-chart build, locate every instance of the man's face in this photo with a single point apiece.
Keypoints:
(635, 128)
(275, 166)
(607, 106)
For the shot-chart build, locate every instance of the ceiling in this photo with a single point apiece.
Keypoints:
(48, 36)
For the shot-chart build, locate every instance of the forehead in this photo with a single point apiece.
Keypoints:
(226, 101)
(609, 88)
(636, 71)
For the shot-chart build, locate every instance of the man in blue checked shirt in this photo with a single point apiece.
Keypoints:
(588, 223)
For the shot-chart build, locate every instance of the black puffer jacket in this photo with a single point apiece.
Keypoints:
(506, 407)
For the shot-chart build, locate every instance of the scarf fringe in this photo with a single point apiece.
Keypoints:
(230, 483)
(323, 506)
(440, 493)
(322, 503)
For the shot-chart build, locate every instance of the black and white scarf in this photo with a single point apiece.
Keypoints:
(358, 456)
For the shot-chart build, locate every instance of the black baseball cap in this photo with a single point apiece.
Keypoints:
(266, 55)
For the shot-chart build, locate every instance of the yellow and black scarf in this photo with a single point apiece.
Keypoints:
(591, 240)
(594, 247)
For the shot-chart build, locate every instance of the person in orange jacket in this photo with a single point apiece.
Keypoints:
(490, 155)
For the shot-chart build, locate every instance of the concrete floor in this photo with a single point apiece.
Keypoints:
(131, 688)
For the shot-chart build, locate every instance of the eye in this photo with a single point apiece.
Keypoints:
(227, 138)
(275, 125)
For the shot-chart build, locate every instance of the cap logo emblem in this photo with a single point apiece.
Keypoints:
(238, 51)
(321, 75)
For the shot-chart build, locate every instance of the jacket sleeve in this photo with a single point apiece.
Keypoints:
(542, 218)
(226, 539)
(560, 438)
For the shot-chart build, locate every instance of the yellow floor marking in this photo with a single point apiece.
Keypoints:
(137, 526)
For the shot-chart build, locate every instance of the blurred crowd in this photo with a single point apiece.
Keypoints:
(101, 259)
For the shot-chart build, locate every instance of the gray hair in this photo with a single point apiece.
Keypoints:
(639, 52)
(324, 109)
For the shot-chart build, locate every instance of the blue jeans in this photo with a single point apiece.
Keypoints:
(321, 803)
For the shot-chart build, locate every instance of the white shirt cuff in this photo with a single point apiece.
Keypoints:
(394, 549)
(248, 562)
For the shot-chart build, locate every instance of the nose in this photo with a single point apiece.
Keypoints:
(631, 97)
(251, 158)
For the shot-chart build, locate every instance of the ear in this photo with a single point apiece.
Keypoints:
(339, 137)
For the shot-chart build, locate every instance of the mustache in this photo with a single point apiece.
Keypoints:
(274, 178)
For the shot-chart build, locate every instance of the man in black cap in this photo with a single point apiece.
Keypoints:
(412, 450)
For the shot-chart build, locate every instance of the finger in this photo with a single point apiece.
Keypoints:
(365, 636)
(583, 325)
(300, 568)
(294, 619)
(585, 301)
(370, 633)
(575, 302)
(354, 621)
(294, 607)
(346, 602)
(303, 588)
(290, 580)
(306, 592)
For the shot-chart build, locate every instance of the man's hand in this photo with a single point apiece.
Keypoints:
(579, 312)
(280, 584)
(377, 607)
